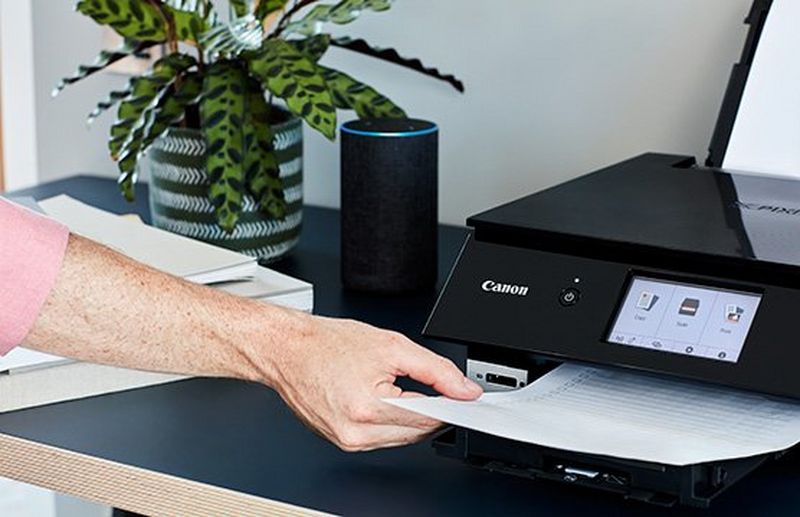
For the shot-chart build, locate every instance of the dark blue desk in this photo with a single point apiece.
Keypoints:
(241, 436)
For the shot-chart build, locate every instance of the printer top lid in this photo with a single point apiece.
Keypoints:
(660, 203)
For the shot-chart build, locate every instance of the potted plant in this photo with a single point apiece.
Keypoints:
(221, 112)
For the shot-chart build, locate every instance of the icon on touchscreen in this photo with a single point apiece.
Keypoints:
(647, 301)
(733, 313)
(689, 307)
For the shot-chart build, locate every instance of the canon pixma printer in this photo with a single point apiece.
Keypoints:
(654, 264)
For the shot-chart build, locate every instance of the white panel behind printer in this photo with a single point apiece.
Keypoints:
(766, 134)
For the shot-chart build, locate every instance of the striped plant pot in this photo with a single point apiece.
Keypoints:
(179, 194)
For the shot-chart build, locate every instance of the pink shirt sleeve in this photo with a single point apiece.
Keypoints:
(32, 250)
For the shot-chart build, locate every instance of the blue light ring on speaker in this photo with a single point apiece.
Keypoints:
(426, 128)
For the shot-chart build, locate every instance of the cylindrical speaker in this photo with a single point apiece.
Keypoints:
(389, 203)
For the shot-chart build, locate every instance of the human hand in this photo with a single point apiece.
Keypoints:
(335, 373)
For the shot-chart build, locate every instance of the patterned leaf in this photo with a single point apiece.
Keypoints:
(189, 25)
(241, 7)
(112, 99)
(192, 18)
(134, 112)
(173, 108)
(104, 59)
(314, 47)
(392, 56)
(341, 13)
(262, 173)
(119, 133)
(265, 7)
(170, 110)
(139, 20)
(348, 93)
(145, 93)
(292, 76)
(222, 109)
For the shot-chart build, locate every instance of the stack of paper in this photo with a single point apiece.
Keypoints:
(270, 286)
(193, 260)
(21, 359)
(180, 256)
(627, 415)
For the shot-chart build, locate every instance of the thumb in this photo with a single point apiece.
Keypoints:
(436, 371)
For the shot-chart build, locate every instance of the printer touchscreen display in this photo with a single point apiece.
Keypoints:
(685, 319)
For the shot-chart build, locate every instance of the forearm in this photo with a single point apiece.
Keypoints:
(108, 309)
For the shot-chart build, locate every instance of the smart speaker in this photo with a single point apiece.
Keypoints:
(389, 171)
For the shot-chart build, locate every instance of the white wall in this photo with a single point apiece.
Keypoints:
(62, 40)
(17, 94)
(554, 89)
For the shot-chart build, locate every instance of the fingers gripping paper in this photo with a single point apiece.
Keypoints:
(627, 415)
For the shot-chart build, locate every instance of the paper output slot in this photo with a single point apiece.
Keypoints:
(502, 380)
(496, 377)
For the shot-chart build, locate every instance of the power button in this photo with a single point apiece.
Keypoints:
(569, 297)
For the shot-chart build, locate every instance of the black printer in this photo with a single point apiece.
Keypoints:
(576, 272)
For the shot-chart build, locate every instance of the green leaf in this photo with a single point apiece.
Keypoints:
(293, 77)
(173, 108)
(145, 93)
(341, 13)
(104, 59)
(191, 25)
(265, 7)
(139, 20)
(191, 17)
(222, 110)
(241, 7)
(169, 111)
(262, 173)
(348, 93)
(313, 47)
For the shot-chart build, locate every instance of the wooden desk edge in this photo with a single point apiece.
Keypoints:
(127, 487)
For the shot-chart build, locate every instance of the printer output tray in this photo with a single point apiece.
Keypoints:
(663, 485)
